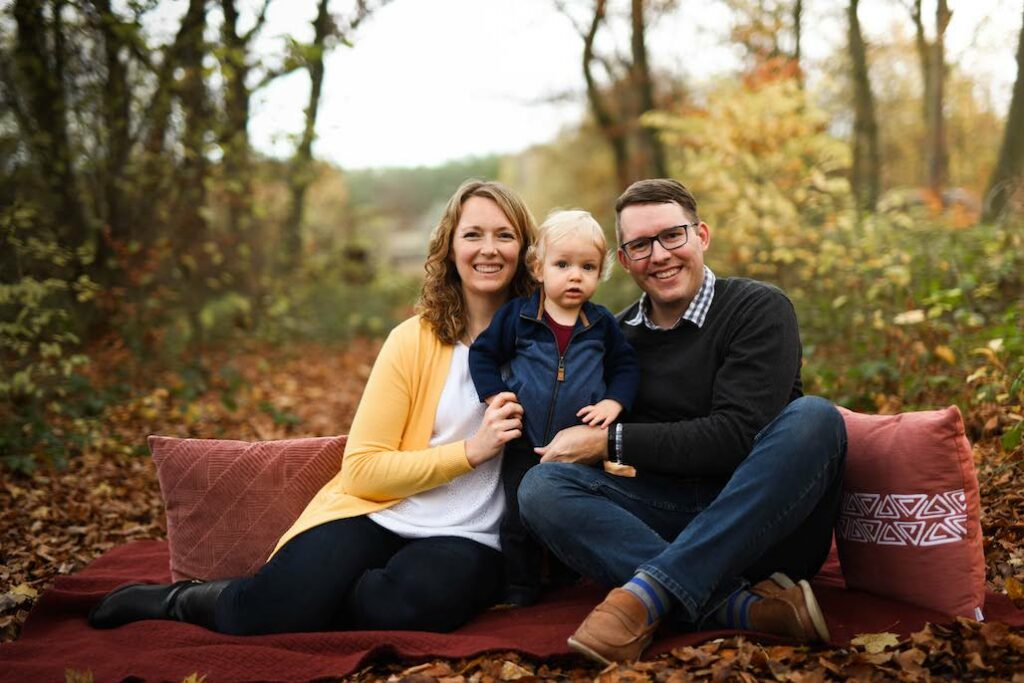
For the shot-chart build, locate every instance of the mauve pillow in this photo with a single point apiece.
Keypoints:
(910, 521)
(228, 502)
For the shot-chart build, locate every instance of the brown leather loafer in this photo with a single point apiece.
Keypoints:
(616, 630)
(788, 609)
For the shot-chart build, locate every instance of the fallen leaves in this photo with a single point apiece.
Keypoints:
(963, 651)
(874, 643)
(55, 522)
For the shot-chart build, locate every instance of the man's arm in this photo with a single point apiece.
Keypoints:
(753, 384)
(582, 443)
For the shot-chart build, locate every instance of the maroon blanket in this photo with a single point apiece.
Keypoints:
(57, 636)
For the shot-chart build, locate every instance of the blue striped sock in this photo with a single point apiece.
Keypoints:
(656, 599)
(735, 612)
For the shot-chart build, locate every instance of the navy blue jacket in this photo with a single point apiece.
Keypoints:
(518, 353)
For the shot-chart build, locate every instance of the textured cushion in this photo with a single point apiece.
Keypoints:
(228, 502)
(910, 522)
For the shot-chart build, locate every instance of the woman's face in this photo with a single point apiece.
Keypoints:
(485, 249)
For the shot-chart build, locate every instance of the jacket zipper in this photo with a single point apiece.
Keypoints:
(559, 378)
(560, 374)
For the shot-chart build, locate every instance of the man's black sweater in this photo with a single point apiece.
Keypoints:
(706, 392)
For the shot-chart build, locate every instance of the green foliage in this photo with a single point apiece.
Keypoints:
(39, 339)
(898, 310)
(333, 298)
(914, 314)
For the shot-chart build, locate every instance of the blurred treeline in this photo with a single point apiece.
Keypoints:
(882, 191)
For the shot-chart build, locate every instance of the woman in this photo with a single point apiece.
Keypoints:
(406, 535)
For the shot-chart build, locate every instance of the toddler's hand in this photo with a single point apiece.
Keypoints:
(601, 414)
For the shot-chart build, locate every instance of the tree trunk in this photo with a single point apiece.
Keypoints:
(41, 78)
(798, 26)
(302, 162)
(651, 152)
(238, 172)
(116, 113)
(938, 159)
(932, 57)
(1008, 175)
(865, 172)
(195, 108)
(154, 177)
(610, 126)
(235, 135)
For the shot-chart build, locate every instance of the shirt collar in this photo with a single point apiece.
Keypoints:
(695, 313)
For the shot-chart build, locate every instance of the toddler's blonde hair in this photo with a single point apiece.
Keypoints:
(562, 223)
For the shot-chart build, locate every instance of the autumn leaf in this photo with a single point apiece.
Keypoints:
(25, 590)
(874, 643)
(1014, 588)
(76, 676)
(946, 354)
(510, 671)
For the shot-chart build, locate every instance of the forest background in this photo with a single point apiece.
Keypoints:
(158, 270)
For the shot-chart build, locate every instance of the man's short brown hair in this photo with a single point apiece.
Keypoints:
(654, 191)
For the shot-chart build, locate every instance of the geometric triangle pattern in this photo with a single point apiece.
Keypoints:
(916, 519)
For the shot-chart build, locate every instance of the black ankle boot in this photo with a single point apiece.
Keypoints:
(159, 601)
(196, 603)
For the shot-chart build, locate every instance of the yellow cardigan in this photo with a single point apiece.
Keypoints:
(387, 457)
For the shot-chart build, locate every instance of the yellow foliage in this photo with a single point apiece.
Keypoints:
(946, 354)
(767, 176)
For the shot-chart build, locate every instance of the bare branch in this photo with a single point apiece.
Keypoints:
(273, 74)
(563, 8)
(260, 19)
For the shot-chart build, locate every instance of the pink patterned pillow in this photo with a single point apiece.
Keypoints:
(910, 521)
(228, 502)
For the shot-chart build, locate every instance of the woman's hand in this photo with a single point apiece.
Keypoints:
(503, 421)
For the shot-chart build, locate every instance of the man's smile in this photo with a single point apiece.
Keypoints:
(667, 273)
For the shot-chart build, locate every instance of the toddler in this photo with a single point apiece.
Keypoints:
(565, 360)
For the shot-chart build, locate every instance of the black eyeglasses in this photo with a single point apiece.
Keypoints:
(670, 238)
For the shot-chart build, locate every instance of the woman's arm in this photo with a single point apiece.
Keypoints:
(374, 468)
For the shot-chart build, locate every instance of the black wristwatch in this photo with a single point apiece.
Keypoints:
(613, 443)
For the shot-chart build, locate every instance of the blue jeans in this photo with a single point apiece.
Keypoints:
(355, 574)
(701, 540)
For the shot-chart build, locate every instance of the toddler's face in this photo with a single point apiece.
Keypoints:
(570, 271)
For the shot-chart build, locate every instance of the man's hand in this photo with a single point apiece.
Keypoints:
(601, 414)
(582, 443)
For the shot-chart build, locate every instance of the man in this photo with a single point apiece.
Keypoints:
(737, 475)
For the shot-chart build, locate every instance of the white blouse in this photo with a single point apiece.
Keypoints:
(469, 506)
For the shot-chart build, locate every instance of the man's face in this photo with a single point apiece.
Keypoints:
(670, 278)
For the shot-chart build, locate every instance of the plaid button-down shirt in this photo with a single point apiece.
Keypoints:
(695, 313)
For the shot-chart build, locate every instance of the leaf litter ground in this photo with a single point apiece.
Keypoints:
(54, 522)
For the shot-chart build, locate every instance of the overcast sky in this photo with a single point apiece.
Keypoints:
(433, 80)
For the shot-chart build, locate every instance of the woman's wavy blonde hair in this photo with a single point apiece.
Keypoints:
(441, 302)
